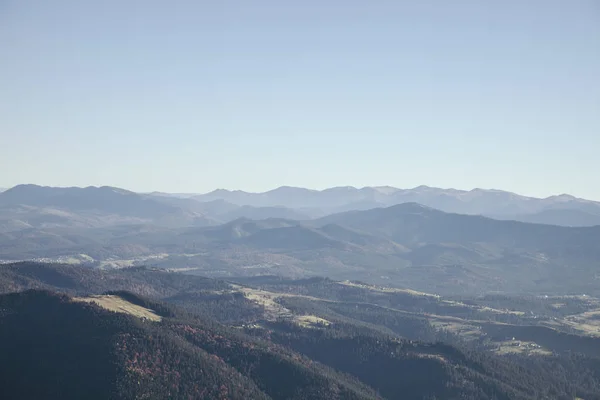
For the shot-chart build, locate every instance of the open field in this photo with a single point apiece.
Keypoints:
(117, 304)
(521, 347)
(310, 320)
(274, 310)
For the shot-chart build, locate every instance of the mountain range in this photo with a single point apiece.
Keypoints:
(407, 244)
(555, 210)
(35, 206)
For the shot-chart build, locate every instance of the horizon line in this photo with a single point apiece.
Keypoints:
(191, 193)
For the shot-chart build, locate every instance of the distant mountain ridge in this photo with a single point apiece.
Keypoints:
(489, 202)
(106, 198)
(41, 207)
(33, 206)
(297, 197)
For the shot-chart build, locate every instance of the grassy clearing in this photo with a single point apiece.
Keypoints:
(520, 347)
(274, 310)
(457, 326)
(586, 323)
(430, 356)
(310, 321)
(117, 304)
(497, 311)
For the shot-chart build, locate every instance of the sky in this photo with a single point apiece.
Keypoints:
(190, 96)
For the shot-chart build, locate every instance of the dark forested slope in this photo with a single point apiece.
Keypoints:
(53, 347)
(71, 349)
(216, 339)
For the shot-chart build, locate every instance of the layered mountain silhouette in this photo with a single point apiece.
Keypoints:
(555, 210)
(36, 206)
(408, 244)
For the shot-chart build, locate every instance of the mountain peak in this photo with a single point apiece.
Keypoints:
(422, 188)
(220, 191)
(26, 186)
(290, 189)
(562, 197)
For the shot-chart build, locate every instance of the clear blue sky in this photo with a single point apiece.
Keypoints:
(197, 95)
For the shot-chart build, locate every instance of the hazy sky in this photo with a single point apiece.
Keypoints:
(197, 95)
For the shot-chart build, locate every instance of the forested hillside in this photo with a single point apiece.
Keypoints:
(267, 338)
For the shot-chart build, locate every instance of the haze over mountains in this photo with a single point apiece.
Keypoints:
(413, 243)
(222, 206)
(561, 209)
